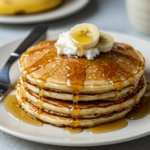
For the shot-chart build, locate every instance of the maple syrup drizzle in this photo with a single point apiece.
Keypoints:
(37, 113)
(131, 89)
(23, 98)
(75, 112)
(48, 57)
(105, 63)
(109, 127)
(42, 46)
(10, 104)
(141, 109)
(15, 86)
(75, 84)
(42, 80)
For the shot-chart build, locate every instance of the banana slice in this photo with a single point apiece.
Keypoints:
(84, 35)
(105, 43)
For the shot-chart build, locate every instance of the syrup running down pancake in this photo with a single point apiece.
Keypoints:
(91, 114)
(77, 92)
(90, 109)
(110, 71)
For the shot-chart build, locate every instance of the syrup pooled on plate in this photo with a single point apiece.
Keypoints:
(109, 127)
(106, 64)
(10, 104)
(141, 110)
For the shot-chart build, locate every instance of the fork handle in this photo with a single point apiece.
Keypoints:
(37, 32)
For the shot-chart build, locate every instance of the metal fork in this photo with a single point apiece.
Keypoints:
(36, 33)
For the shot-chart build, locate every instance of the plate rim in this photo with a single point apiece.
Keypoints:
(73, 143)
(7, 20)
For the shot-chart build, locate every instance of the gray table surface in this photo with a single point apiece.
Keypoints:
(106, 15)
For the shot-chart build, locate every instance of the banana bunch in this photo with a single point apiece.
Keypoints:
(87, 35)
(11, 7)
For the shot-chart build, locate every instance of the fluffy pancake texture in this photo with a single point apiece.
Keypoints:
(57, 94)
(118, 66)
(87, 109)
(106, 88)
(65, 121)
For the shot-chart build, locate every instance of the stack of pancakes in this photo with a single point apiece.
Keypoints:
(60, 90)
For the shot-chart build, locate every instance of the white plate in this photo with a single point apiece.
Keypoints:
(54, 135)
(68, 8)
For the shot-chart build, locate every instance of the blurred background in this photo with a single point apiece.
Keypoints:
(111, 15)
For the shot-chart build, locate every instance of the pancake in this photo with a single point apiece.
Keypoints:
(57, 94)
(77, 92)
(114, 70)
(64, 121)
(87, 109)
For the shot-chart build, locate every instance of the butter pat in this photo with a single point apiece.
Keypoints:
(66, 47)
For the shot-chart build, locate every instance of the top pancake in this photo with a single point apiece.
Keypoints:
(114, 70)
